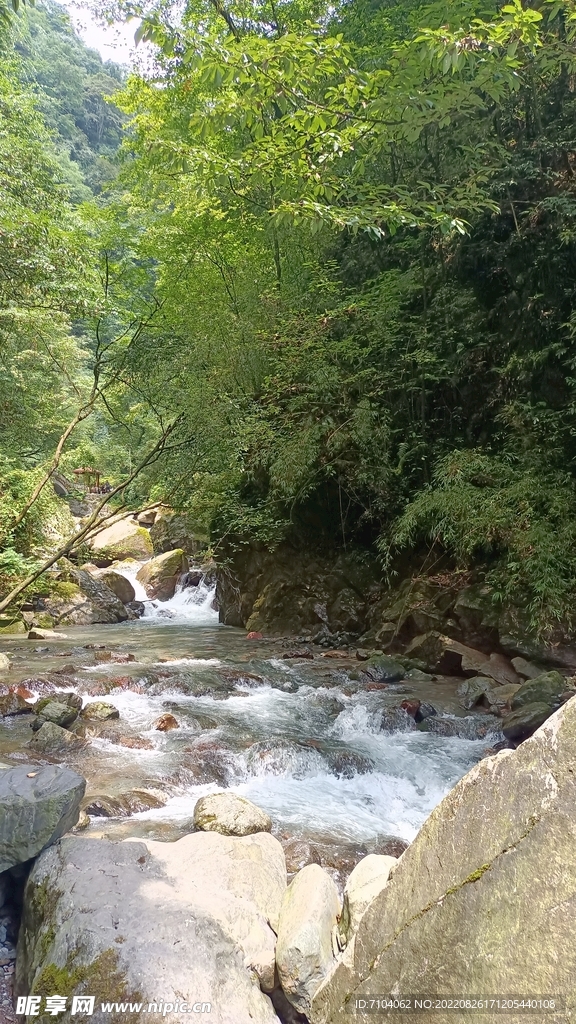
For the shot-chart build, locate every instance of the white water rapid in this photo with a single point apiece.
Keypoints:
(192, 605)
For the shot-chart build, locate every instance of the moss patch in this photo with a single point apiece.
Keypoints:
(102, 978)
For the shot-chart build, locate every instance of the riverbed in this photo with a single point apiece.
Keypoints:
(336, 763)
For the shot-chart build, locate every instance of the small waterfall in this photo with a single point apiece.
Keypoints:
(190, 605)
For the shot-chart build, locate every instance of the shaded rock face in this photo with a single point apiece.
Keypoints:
(286, 591)
(191, 920)
(173, 530)
(117, 583)
(37, 806)
(484, 898)
(124, 539)
(84, 600)
(160, 575)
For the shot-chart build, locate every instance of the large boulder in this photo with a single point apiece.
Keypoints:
(160, 575)
(117, 583)
(172, 530)
(124, 539)
(545, 688)
(231, 815)
(483, 901)
(443, 654)
(190, 921)
(78, 598)
(37, 806)
(307, 920)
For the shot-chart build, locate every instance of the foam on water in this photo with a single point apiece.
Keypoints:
(192, 605)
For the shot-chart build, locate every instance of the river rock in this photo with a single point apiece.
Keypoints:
(484, 898)
(46, 634)
(363, 886)
(53, 739)
(230, 815)
(124, 539)
(54, 711)
(100, 711)
(166, 723)
(475, 691)
(545, 688)
(117, 583)
(37, 806)
(14, 704)
(526, 669)
(525, 720)
(308, 916)
(443, 654)
(4, 663)
(160, 575)
(144, 921)
(383, 669)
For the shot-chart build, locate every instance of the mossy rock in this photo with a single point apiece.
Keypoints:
(11, 625)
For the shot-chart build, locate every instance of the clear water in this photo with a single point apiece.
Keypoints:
(328, 759)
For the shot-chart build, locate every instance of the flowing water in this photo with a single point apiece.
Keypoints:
(332, 760)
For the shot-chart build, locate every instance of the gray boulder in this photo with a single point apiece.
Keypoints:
(365, 882)
(141, 921)
(55, 710)
(53, 739)
(307, 920)
(37, 806)
(475, 691)
(231, 815)
(484, 899)
(117, 583)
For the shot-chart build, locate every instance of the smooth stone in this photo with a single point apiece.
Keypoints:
(230, 815)
(304, 955)
(366, 881)
(46, 634)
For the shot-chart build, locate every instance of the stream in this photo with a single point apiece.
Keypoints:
(336, 763)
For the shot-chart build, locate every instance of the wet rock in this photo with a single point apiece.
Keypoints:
(100, 711)
(501, 696)
(53, 739)
(424, 711)
(345, 764)
(209, 762)
(118, 584)
(492, 863)
(362, 655)
(165, 723)
(13, 704)
(382, 669)
(524, 721)
(137, 607)
(309, 912)
(37, 806)
(160, 575)
(468, 728)
(415, 675)
(230, 815)
(299, 853)
(545, 688)
(124, 539)
(51, 710)
(46, 634)
(123, 806)
(302, 653)
(391, 846)
(475, 691)
(200, 933)
(411, 706)
(283, 757)
(254, 635)
(133, 742)
(365, 883)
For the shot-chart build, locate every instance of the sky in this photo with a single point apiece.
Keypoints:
(114, 43)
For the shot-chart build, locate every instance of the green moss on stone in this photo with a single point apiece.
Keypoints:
(102, 978)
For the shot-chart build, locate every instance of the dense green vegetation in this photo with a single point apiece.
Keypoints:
(337, 257)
